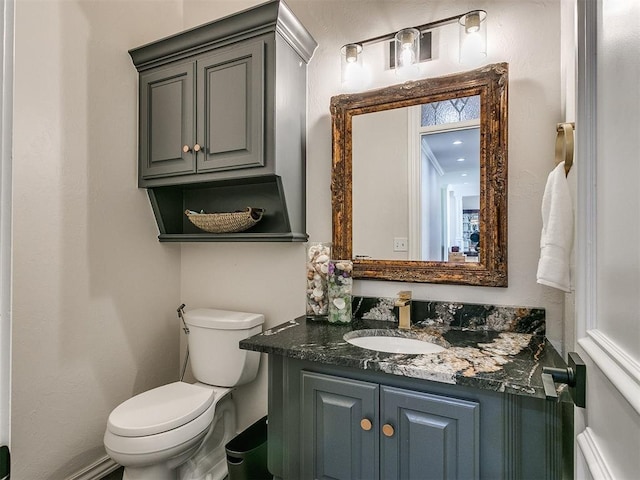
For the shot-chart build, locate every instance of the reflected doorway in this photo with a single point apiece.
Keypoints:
(448, 194)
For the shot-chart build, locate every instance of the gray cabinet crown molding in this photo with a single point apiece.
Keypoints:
(273, 16)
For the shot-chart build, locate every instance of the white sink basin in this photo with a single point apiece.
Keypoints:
(391, 343)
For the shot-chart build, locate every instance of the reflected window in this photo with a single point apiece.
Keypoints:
(450, 111)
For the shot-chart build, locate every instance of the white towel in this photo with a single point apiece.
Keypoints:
(556, 240)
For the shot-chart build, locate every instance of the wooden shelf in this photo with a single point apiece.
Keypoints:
(266, 192)
(234, 237)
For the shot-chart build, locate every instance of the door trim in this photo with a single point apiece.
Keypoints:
(586, 153)
(591, 452)
(587, 457)
(414, 181)
(618, 367)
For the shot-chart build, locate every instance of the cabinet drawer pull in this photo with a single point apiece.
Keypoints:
(388, 430)
(365, 424)
(197, 148)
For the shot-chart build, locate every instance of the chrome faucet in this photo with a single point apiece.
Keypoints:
(403, 302)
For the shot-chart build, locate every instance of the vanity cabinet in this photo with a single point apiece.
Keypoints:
(353, 429)
(340, 422)
(222, 123)
(203, 115)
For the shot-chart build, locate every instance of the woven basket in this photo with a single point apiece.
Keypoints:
(226, 222)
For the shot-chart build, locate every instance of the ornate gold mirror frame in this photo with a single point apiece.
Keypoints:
(491, 83)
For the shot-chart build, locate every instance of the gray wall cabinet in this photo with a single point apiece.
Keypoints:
(167, 124)
(205, 115)
(231, 122)
(224, 104)
(319, 419)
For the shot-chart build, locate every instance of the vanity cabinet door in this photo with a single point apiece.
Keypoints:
(427, 436)
(167, 121)
(340, 432)
(231, 108)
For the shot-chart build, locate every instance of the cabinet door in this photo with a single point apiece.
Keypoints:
(167, 121)
(430, 436)
(231, 108)
(335, 444)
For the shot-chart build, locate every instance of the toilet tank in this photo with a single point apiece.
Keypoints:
(216, 358)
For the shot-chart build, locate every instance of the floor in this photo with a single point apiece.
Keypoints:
(117, 475)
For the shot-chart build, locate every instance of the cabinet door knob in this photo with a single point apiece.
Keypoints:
(388, 430)
(366, 424)
(197, 148)
(186, 149)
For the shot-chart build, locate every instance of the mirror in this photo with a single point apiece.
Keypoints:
(432, 208)
(419, 179)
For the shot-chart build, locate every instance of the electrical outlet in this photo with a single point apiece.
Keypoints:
(399, 244)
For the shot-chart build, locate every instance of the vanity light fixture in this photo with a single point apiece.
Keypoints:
(354, 74)
(408, 41)
(473, 36)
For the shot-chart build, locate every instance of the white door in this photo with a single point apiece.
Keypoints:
(608, 237)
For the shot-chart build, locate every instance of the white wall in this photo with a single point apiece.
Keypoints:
(381, 180)
(249, 277)
(94, 293)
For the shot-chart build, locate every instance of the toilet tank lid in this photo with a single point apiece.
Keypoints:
(222, 319)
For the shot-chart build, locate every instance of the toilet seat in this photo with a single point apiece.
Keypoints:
(176, 419)
(160, 409)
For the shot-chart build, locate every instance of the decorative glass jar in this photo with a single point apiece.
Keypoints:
(318, 256)
(340, 286)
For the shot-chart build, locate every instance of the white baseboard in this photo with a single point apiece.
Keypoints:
(96, 470)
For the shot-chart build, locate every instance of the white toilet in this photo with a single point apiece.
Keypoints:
(178, 431)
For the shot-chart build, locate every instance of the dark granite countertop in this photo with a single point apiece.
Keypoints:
(500, 361)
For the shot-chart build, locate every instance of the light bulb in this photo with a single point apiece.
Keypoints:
(472, 22)
(351, 53)
(473, 48)
(407, 53)
(473, 37)
(408, 57)
(355, 75)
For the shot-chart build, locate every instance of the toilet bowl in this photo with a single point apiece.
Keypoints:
(178, 431)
